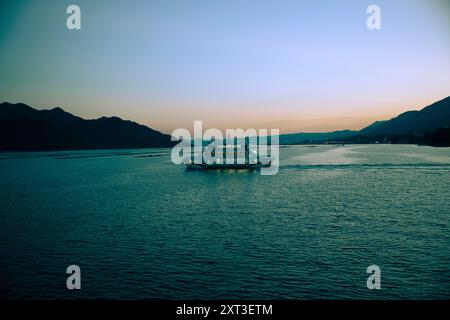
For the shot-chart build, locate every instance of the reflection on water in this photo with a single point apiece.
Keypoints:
(141, 227)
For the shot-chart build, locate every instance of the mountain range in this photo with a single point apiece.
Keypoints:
(26, 129)
(409, 126)
(23, 128)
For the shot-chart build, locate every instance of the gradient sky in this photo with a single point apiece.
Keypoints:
(294, 65)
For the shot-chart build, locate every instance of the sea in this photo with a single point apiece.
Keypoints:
(140, 227)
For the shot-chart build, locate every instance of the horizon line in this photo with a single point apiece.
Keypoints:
(388, 117)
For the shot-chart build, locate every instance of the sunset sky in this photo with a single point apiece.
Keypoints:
(289, 64)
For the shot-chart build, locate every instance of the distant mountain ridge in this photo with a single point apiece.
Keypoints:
(24, 128)
(405, 127)
(307, 137)
(430, 118)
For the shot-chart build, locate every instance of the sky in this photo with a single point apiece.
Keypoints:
(298, 66)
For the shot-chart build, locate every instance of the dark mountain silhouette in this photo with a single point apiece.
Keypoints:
(315, 137)
(438, 138)
(428, 119)
(408, 127)
(25, 128)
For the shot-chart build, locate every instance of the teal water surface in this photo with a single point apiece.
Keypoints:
(141, 227)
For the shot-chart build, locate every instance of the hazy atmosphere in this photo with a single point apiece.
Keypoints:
(276, 64)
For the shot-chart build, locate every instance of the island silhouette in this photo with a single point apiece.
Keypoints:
(23, 128)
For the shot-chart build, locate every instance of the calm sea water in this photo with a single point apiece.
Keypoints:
(141, 227)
